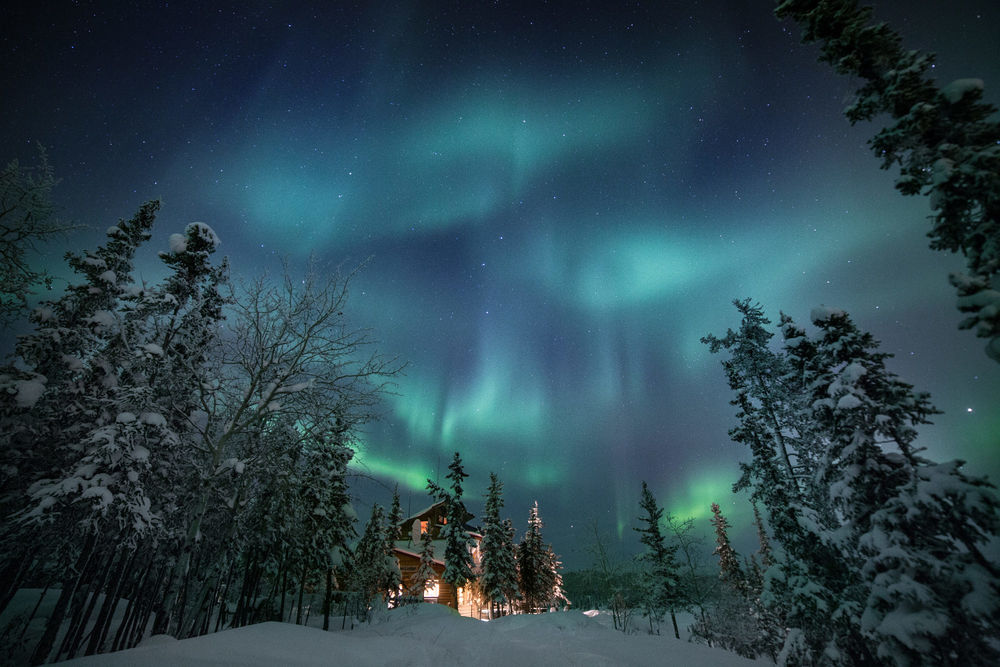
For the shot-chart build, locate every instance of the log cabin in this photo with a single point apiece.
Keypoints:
(407, 553)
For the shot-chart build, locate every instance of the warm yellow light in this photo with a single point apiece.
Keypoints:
(432, 589)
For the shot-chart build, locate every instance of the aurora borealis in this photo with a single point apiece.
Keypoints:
(558, 199)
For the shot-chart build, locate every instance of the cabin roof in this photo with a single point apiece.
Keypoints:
(427, 510)
(437, 547)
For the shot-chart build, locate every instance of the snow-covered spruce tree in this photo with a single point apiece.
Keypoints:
(730, 571)
(266, 496)
(731, 622)
(54, 407)
(943, 139)
(770, 629)
(425, 571)
(509, 574)
(662, 586)
(499, 567)
(769, 398)
(26, 219)
(916, 528)
(557, 597)
(887, 547)
(372, 567)
(180, 320)
(458, 562)
(394, 582)
(766, 554)
(107, 347)
(807, 583)
(317, 521)
(535, 567)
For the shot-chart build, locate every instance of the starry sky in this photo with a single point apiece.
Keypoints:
(558, 199)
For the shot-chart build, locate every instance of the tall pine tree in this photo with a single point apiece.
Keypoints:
(662, 585)
(537, 567)
(458, 561)
(943, 139)
(499, 569)
(882, 543)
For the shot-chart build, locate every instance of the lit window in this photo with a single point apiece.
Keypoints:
(432, 589)
(423, 527)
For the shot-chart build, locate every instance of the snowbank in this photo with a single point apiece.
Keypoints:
(424, 635)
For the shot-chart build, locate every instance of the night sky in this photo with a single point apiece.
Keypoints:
(559, 200)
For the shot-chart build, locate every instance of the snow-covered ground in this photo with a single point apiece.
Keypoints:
(425, 635)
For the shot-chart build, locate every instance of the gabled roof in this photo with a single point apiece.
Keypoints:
(409, 520)
(410, 552)
(421, 513)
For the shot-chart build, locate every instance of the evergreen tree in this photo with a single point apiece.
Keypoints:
(425, 572)
(535, 566)
(904, 517)
(507, 566)
(662, 586)
(786, 446)
(557, 595)
(394, 580)
(26, 219)
(882, 543)
(943, 139)
(371, 564)
(729, 564)
(499, 569)
(738, 620)
(326, 521)
(765, 553)
(458, 542)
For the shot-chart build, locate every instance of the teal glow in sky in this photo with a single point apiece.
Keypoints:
(559, 200)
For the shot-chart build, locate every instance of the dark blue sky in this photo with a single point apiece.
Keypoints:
(559, 198)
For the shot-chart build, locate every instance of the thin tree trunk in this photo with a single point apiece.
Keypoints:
(270, 597)
(48, 638)
(135, 599)
(178, 577)
(241, 599)
(75, 638)
(327, 599)
(202, 604)
(13, 574)
(33, 612)
(130, 612)
(220, 619)
(283, 572)
(144, 610)
(104, 616)
(183, 606)
(302, 590)
(312, 598)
